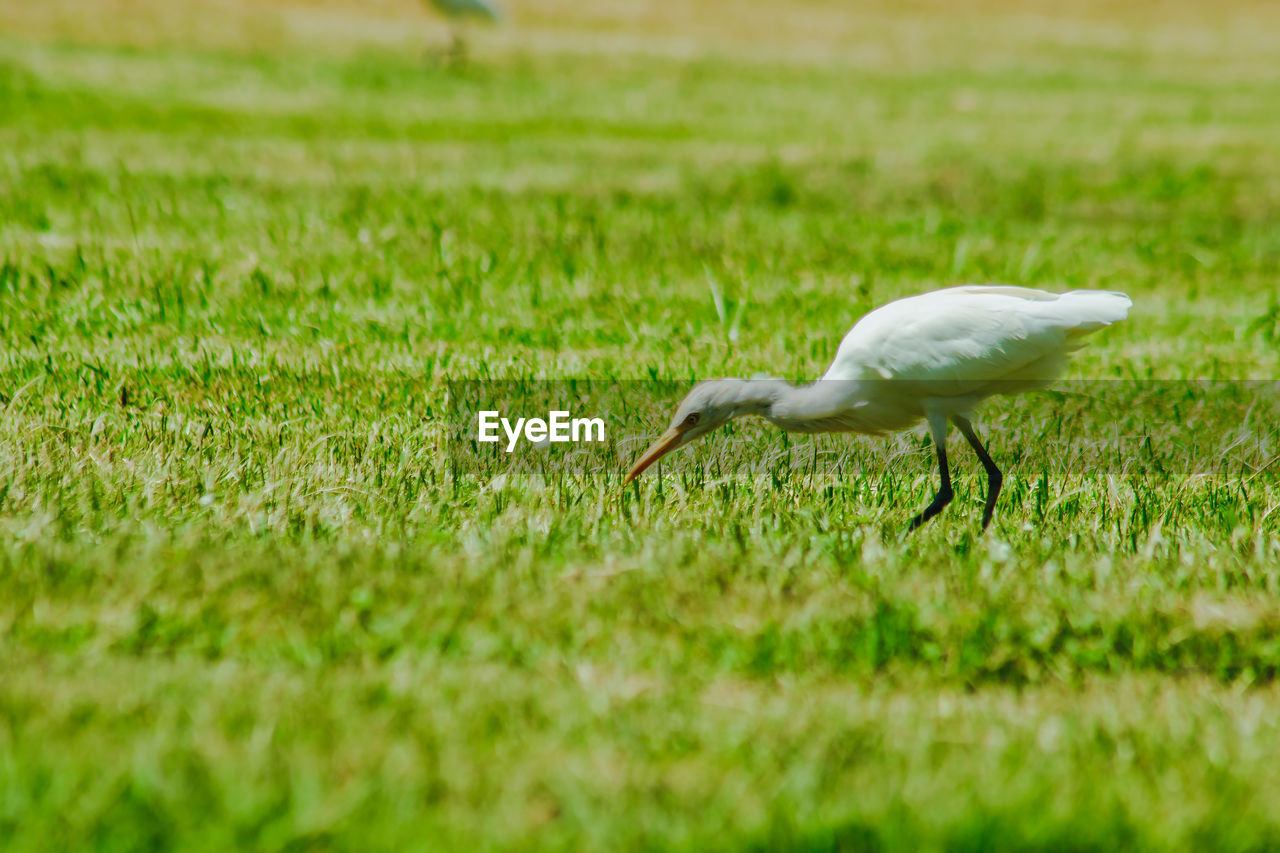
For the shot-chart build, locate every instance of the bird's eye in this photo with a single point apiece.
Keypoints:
(692, 419)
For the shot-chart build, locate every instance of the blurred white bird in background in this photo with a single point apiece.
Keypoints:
(458, 11)
(934, 357)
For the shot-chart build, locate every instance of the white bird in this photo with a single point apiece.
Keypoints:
(458, 10)
(934, 356)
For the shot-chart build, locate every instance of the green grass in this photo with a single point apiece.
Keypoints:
(258, 588)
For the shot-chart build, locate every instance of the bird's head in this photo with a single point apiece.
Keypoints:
(709, 405)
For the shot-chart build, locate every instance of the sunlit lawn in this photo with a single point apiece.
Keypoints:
(257, 589)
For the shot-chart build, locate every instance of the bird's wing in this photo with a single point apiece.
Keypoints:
(959, 340)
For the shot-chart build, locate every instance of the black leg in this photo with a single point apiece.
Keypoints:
(994, 477)
(943, 497)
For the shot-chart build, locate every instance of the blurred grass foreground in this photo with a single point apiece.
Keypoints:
(258, 591)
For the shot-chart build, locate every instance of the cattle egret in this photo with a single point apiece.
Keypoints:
(459, 10)
(933, 357)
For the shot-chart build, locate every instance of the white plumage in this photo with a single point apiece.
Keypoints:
(973, 334)
(934, 357)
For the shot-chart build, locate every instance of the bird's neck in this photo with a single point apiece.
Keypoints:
(795, 408)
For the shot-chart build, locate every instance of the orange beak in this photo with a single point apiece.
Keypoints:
(665, 443)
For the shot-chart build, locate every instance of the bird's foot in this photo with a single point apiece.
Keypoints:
(940, 500)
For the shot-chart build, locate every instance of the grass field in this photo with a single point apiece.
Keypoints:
(257, 589)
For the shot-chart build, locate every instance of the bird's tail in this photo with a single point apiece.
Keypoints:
(1083, 311)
